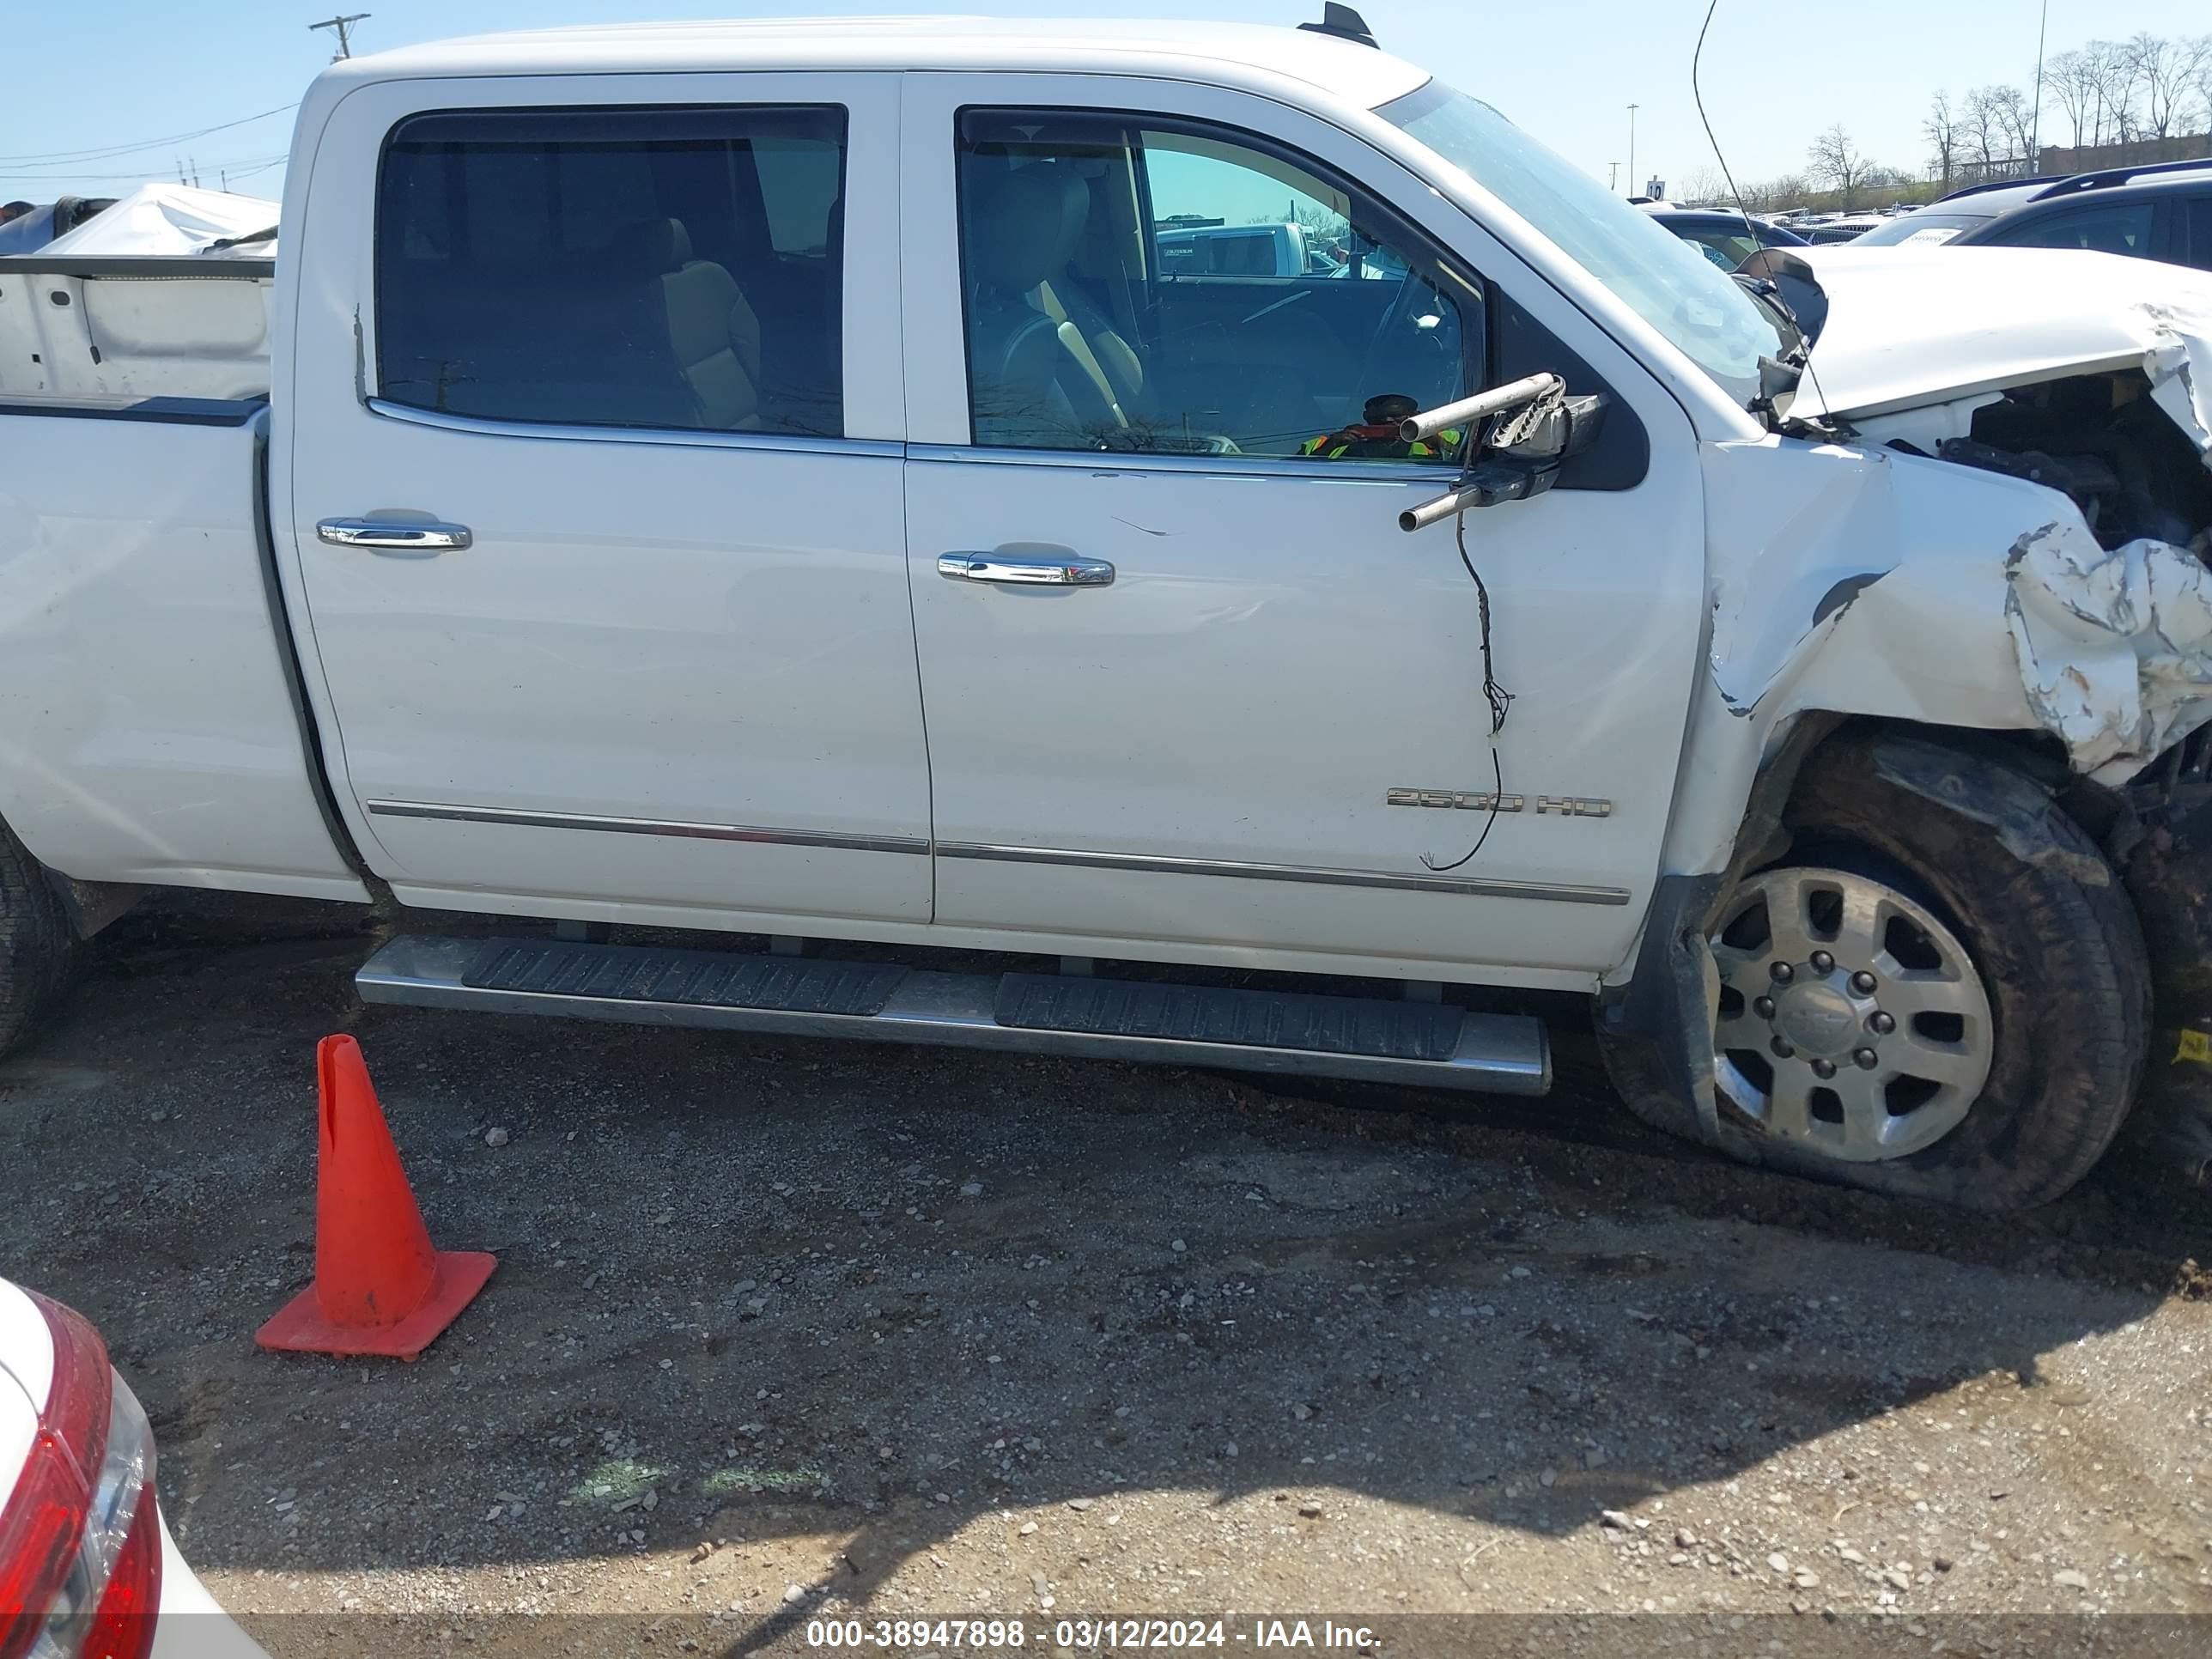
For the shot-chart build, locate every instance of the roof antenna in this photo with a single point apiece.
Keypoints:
(1758, 245)
(1344, 23)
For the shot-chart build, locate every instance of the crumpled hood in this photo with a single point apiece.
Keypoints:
(1908, 327)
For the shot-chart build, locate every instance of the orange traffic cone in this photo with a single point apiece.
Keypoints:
(380, 1288)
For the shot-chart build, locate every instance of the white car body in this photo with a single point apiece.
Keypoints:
(616, 706)
(189, 1624)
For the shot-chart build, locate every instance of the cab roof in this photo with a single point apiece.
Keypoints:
(1224, 53)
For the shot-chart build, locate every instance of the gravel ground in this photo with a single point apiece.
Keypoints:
(783, 1330)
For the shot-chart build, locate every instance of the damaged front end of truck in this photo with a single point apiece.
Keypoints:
(1991, 524)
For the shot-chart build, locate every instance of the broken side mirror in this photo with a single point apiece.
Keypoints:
(1536, 429)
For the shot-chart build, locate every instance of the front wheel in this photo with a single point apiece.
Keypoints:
(1940, 993)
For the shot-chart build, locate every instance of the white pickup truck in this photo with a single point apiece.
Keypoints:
(755, 478)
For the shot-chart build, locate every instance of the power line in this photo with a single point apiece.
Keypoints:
(249, 162)
(103, 153)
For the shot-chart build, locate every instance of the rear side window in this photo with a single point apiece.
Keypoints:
(670, 268)
(2200, 232)
(2110, 227)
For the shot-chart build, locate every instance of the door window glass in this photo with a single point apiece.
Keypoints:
(1131, 285)
(614, 267)
(2115, 228)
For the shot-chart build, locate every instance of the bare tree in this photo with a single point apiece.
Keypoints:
(2159, 72)
(2015, 118)
(1836, 162)
(2071, 78)
(1940, 127)
(1772, 194)
(2114, 87)
(1707, 186)
(1979, 126)
(2200, 79)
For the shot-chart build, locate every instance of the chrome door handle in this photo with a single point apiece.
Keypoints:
(394, 536)
(1029, 569)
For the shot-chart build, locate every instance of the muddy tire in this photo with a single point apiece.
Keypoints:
(38, 948)
(1962, 1004)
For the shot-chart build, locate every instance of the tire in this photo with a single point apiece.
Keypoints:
(38, 947)
(1994, 910)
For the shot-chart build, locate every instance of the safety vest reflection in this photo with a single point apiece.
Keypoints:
(1375, 437)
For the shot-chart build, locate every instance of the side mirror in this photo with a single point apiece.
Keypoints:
(1535, 430)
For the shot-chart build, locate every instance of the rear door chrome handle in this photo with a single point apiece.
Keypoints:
(408, 537)
(1027, 569)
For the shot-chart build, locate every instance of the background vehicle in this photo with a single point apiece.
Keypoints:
(2156, 212)
(1725, 236)
(1840, 228)
(668, 571)
(86, 1563)
(1238, 251)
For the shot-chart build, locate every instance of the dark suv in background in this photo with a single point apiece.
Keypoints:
(2158, 212)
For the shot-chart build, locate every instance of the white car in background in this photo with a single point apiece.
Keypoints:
(88, 1569)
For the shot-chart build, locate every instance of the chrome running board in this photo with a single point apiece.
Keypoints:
(1372, 1039)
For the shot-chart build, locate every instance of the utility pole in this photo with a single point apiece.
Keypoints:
(1631, 149)
(2035, 124)
(342, 26)
(1612, 179)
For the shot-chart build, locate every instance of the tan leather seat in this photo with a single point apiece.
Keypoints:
(701, 319)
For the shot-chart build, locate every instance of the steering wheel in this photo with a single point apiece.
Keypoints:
(1400, 314)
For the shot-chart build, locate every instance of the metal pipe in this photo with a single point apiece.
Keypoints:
(1429, 512)
(1511, 395)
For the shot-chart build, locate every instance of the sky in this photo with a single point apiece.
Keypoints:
(103, 74)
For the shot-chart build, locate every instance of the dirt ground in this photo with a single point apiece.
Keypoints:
(784, 1332)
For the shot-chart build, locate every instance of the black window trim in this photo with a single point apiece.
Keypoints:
(369, 370)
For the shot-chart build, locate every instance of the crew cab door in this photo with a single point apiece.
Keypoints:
(1190, 690)
(593, 488)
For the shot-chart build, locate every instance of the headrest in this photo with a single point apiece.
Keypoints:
(1023, 223)
(651, 246)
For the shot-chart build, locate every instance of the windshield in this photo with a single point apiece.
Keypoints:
(1671, 284)
(1921, 228)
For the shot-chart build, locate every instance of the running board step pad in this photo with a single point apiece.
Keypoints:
(709, 979)
(1204, 1013)
(1371, 1039)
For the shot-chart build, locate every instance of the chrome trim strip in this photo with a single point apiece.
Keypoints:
(917, 845)
(1471, 887)
(674, 437)
(1221, 466)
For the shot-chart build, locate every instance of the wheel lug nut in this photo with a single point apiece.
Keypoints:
(1863, 983)
(1823, 963)
(1781, 1048)
(1824, 1069)
(1880, 1024)
(1782, 972)
(1865, 1059)
(1763, 1007)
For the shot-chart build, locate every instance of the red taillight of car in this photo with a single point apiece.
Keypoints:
(80, 1536)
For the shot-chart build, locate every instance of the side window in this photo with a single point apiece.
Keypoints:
(2200, 232)
(2113, 227)
(679, 268)
(1135, 285)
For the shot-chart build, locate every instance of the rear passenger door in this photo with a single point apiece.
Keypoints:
(593, 484)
